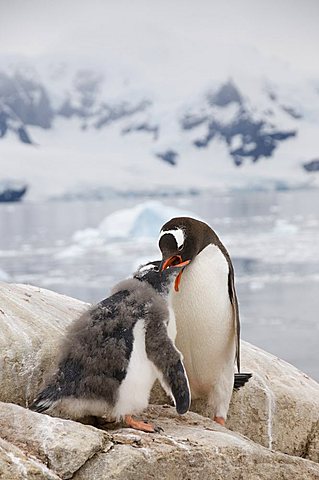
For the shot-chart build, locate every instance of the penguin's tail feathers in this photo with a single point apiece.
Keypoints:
(240, 379)
(45, 400)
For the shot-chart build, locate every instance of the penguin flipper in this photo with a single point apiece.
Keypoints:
(234, 302)
(178, 384)
(167, 360)
(45, 400)
(60, 385)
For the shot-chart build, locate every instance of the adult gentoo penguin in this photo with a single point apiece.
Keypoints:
(115, 351)
(206, 310)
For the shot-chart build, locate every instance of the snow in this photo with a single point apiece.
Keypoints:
(69, 162)
(236, 142)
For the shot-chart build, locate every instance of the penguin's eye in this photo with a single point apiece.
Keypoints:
(178, 238)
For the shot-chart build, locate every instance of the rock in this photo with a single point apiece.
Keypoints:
(191, 447)
(15, 465)
(278, 408)
(36, 446)
(63, 446)
(32, 323)
(312, 165)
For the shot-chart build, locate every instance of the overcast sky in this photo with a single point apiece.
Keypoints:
(173, 32)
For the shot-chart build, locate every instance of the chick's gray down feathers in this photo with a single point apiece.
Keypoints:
(96, 352)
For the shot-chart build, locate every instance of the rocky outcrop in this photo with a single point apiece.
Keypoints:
(32, 323)
(61, 445)
(278, 409)
(15, 465)
(190, 447)
(312, 165)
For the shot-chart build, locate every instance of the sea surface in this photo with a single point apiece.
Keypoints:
(273, 239)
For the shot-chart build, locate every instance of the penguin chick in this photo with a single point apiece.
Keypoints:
(115, 351)
(206, 309)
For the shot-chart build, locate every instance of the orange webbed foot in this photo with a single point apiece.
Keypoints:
(220, 420)
(140, 425)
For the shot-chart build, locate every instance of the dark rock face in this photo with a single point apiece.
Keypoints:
(23, 102)
(143, 127)
(256, 141)
(170, 156)
(292, 112)
(228, 93)
(27, 99)
(255, 138)
(3, 123)
(110, 114)
(23, 135)
(312, 166)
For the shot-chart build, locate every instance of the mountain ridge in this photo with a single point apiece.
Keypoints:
(249, 125)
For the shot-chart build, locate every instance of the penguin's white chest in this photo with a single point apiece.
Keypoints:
(134, 391)
(204, 320)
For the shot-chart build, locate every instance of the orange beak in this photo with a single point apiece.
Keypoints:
(171, 262)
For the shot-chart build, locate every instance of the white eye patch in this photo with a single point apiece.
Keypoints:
(178, 234)
(146, 268)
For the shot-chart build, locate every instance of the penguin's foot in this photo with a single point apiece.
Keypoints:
(220, 420)
(140, 425)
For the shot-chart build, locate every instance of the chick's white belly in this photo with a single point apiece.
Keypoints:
(134, 391)
(204, 320)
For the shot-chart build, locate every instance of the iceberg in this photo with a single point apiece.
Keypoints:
(134, 230)
(143, 221)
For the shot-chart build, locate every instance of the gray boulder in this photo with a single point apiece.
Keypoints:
(190, 447)
(278, 408)
(32, 323)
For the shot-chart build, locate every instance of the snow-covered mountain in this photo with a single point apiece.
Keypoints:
(71, 132)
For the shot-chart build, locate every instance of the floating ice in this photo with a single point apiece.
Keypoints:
(143, 221)
(283, 227)
(124, 231)
(87, 237)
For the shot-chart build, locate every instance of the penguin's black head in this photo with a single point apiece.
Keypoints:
(161, 281)
(181, 239)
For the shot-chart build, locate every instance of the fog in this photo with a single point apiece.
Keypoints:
(179, 36)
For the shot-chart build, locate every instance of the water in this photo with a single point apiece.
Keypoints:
(273, 239)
